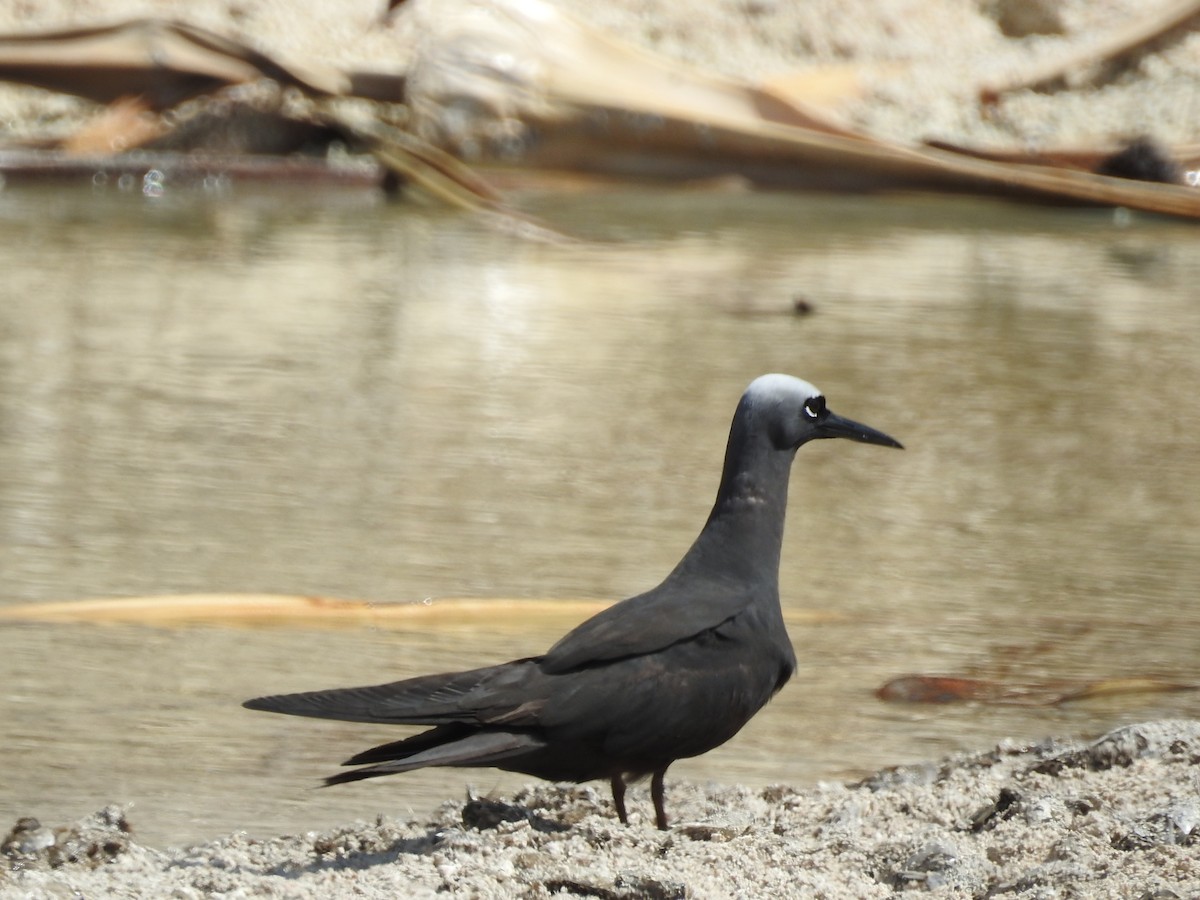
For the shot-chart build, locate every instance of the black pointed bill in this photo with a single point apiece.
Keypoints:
(834, 426)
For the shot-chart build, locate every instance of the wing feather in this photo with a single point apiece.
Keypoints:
(647, 623)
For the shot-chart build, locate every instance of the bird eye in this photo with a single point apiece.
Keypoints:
(814, 408)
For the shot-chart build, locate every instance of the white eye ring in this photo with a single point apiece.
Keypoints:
(813, 408)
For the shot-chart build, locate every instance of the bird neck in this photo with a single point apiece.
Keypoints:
(744, 532)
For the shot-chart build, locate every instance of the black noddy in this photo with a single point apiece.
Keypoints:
(666, 675)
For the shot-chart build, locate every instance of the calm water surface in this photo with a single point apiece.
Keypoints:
(327, 394)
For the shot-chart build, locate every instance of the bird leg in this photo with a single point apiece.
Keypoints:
(656, 794)
(618, 792)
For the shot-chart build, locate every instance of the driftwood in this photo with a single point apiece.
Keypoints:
(953, 689)
(781, 157)
(147, 66)
(582, 101)
(515, 82)
(279, 610)
(1123, 43)
(163, 62)
(1084, 159)
(276, 610)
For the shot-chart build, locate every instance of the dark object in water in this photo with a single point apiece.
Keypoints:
(953, 689)
(1142, 159)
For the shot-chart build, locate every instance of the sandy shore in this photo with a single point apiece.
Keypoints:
(1116, 818)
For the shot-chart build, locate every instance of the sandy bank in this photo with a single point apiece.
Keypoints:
(1119, 817)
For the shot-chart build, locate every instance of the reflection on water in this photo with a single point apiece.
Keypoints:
(332, 395)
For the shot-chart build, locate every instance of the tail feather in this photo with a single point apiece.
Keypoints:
(411, 745)
(476, 748)
(475, 696)
(377, 704)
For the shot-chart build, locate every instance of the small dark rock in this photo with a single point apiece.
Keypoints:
(1178, 826)
(705, 832)
(638, 888)
(94, 841)
(933, 857)
(898, 776)
(579, 889)
(27, 837)
(986, 818)
(1021, 18)
(1136, 839)
(625, 887)
(483, 814)
(1084, 805)
(1119, 749)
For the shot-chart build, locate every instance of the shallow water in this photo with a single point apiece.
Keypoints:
(324, 394)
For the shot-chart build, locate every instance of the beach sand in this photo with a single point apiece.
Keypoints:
(1116, 818)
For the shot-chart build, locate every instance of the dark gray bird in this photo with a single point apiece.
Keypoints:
(665, 675)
